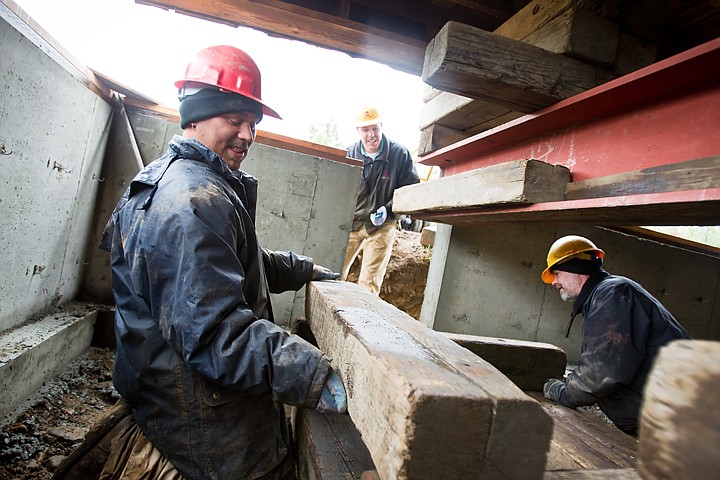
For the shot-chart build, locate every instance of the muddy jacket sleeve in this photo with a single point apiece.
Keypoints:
(614, 335)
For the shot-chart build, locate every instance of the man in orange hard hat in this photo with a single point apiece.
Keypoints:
(200, 362)
(387, 166)
(623, 329)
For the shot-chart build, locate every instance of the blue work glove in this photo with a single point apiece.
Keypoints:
(553, 388)
(321, 273)
(379, 217)
(333, 398)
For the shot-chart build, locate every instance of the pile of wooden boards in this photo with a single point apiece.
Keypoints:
(548, 51)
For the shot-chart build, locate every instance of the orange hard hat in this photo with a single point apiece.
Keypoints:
(567, 247)
(228, 68)
(367, 115)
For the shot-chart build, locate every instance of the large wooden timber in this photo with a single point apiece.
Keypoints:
(527, 364)
(426, 407)
(329, 447)
(584, 441)
(471, 62)
(312, 26)
(511, 183)
(679, 420)
(605, 474)
(700, 174)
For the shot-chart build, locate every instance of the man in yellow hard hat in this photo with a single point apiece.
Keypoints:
(623, 329)
(387, 166)
(203, 367)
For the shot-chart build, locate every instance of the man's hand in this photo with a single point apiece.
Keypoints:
(333, 398)
(379, 217)
(553, 389)
(321, 273)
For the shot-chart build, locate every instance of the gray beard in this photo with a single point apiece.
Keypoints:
(567, 297)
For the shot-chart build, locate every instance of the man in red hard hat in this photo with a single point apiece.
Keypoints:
(623, 329)
(201, 364)
(387, 166)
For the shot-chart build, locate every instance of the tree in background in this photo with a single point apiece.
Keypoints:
(326, 134)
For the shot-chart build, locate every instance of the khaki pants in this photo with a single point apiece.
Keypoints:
(133, 457)
(376, 248)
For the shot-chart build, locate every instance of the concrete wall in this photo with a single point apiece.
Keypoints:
(305, 203)
(53, 132)
(485, 280)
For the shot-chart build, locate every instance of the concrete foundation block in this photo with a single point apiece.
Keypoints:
(33, 353)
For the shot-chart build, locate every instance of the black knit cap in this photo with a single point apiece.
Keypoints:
(211, 102)
(578, 265)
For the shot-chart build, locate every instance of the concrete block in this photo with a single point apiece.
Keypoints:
(33, 353)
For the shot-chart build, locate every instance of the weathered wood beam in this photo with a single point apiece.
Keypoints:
(436, 137)
(679, 424)
(471, 62)
(693, 207)
(463, 113)
(287, 20)
(579, 34)
(700, 174)
(426, 407)
(527, 364)
(329, 447)
(604, 474)
(584, 441)
(510, 183)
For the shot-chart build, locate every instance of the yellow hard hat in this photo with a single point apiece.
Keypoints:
(567, 247)
(367, 116)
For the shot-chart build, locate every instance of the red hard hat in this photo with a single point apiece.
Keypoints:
(229, 69)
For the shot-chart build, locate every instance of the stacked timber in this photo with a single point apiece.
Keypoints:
(425, 406)
(548, 51)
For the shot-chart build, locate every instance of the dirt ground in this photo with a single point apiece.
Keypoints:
(406, 275)
(58, 417)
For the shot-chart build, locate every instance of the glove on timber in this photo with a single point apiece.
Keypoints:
(323, 273)
(333, 398)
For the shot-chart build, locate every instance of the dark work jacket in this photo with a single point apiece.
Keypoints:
(392, 169)
(199, 359)
(623, 329)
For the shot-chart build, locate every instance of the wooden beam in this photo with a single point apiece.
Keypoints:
(308, 148)
(426, 407)
(527, 364)
(329, 447)
(700, 174)
(679, 424)
(463, 113)
(511, 183)
(303, 24)
(436, 137)
(694, 207)
(471, 62)
(579, 34)
(603, 474)
(584, 441)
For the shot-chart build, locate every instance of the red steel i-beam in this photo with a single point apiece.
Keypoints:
(666, 113)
